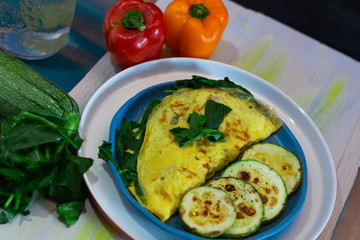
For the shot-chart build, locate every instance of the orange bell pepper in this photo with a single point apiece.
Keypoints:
(194, 27)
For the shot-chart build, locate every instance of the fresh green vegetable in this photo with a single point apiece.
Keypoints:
(24, 89)
(202, 82)
(39, 139)
(128, 173)
(248, 203)
(128, 143)
(267, 182)
(207, 211)
(215, 113)
(38, 154)
(70, 212)
(203, 126)
(184, 136)
(281, 160)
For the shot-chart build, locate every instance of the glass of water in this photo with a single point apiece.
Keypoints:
(35, 29)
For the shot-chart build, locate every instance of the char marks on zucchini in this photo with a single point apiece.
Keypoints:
(266, 180)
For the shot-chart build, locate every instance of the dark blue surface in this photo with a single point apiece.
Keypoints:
(59, 70)
(134, 108)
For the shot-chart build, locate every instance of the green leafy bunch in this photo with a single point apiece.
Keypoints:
(38, 154)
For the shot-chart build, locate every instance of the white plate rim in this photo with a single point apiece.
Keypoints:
(179, 64)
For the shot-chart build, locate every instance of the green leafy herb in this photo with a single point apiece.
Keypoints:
(128, 143)
(38, 154)
(215, 113)
(203, 126)
(70, 212)
(105, 154)
(202, 82)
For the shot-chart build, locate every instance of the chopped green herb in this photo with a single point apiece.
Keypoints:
(203, 126)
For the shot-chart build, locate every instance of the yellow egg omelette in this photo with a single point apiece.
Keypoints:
(167, 171)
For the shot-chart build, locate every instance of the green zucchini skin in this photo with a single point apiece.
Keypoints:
(24, 89)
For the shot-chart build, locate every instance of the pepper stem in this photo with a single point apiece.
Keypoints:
(134, 20)
(199, 11)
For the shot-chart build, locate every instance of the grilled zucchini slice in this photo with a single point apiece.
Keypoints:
(266, 180)
(207, 211)
(248, 203)
(281, 160)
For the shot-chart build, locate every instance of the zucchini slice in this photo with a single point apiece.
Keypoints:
(281, 160)
(248, 203)
(207, 211)
(266, 180)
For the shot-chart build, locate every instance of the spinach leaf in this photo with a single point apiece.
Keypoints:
(25, 136)
(38, 154)
(196, 121)
(128, 174)
(202, 82)
(215, 113)
(201, 126)
(70, 212)
(7, 215)
(68, 185)
(105, 154)
(146, 116)
(129, 139)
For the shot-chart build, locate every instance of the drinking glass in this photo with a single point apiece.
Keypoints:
(35, 29)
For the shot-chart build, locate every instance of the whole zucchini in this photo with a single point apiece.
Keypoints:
(24, 89)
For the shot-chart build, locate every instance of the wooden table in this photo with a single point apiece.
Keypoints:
(322, 81)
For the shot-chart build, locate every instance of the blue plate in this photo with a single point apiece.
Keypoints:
(135, 107)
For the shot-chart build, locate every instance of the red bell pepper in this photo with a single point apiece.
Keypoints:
(134, 31)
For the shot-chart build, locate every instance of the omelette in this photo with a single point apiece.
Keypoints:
(167, 171)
